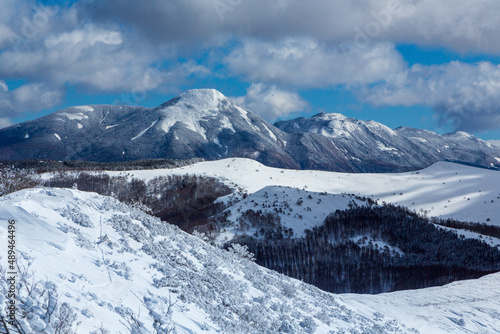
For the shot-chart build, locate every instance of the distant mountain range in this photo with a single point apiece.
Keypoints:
(205, 124)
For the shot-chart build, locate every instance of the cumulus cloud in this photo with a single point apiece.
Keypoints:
(303, 62)
(88, 56)
(460, 25)
(27, 98)
(270, 102)
(125, 46)
(465, 95)
(4, 122)
(3, 86)
(57, 47)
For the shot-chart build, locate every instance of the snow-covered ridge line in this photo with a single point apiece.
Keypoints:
(444, 190)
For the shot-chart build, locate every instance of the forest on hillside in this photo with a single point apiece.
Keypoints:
(185, 201)
(370, 249)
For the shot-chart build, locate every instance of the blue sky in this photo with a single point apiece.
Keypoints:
(418, 63)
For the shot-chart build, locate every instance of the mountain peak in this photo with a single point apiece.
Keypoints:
(202, 97)
(330, 116)
(460, 135)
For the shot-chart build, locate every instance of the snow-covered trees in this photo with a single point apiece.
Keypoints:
(14, 179)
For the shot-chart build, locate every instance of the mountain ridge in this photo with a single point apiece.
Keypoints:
(205, 124)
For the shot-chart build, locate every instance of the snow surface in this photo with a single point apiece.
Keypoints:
(144, 131)
(201, 104)
(85, 108)
(106, 259)
(76, 116)
(244, 114)
(444, 190)
(461, 307)
(339, 126)
(311, 212)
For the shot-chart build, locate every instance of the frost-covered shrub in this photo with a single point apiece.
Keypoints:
(76, 216)
(241, 252)
(160, 310)
(308, 324)
(38, 307)
(124, 224)
(289, 290)
(80, 240)
(121, 269)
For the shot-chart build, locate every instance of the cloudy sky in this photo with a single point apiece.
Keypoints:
(432, 64)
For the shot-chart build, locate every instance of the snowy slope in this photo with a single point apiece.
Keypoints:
(441, 190)
(298, 209)
(460, 307)
(107, 259)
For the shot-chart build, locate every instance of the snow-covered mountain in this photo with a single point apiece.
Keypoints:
(283, 204)
(98, 265)
(443, 190)
(205, 124)
(375, 142)
(198, 123)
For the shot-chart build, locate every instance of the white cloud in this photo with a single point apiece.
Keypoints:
(4, 122)
(303, 62)
(84, 38)
(28, 98)
(52, 48)
(467, 95)
(115, 46)
(465, 26)
(3, 86)
(494, 142)
(270, 102)
(88, 56)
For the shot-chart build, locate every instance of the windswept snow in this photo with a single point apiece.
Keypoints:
(461, 307)
(57, 136)
(244, 114)
(193, 107)
(226, 124)
(270, 133)
(384, 148)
